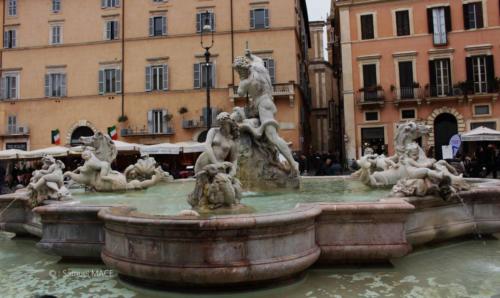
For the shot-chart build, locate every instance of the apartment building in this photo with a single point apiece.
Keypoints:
(137, 67)
(434, 62)
(325, 108)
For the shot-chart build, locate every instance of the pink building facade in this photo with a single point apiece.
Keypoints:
(434, 62)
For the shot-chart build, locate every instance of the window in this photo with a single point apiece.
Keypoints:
(406, 82)
(481, 73)
(157, 26)
(473, 15)
(55, 34)
(12, 124)
(9, 39)
(408, 114)
(12, 8)
(110, 81)
(203, 18)
(370, 82)
(371, 116)
(439, 23)
(55, 85)
(440, 77)
(112, 30)
(259, 18)
(367, 28)
(56, 6)
(200, 75)
(110, 3)
(157, 121)
(10, 86)
(269, 64)
(374, 137)
(488, 124)
(403, 22)
(156, 77)
(482, 110)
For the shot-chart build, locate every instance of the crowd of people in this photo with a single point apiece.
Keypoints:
(482, 162)
(320, 164)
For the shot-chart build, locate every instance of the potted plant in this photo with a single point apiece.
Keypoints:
(168, 117)
(183, 110)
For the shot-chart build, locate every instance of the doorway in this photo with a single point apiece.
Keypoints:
(82, 131)
(445, 126)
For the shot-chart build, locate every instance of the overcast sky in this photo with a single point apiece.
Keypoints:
(318, 9)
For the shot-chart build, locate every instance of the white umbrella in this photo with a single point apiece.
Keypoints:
(481, 134)
(192, 147)
(56, 151)
(160, 149)
(10, 154)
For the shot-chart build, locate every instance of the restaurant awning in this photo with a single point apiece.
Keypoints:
(481, 134)
(192, 147)
(56, 151)
(159, 149)
(10, 154)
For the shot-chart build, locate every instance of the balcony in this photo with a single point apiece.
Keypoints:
(143, 132)
(370, 97)
(188, 124)
(279, 90)
(17, 131)
(404, 95)
(462, 91)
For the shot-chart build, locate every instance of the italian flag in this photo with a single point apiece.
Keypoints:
(112, 132)
(56, 137)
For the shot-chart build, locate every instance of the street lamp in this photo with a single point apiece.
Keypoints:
(207, 45)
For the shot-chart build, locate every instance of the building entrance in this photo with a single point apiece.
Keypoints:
(445, 126)
(82, 131)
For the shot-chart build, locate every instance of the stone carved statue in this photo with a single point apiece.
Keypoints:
(103, 145)
(144, 169)
(409, 171)
(47, 183)
(260, 143)
(215, 169)
(96, 172)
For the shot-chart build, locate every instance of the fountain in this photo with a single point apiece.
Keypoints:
(234, 237)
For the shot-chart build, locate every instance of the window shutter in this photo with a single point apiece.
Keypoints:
(205, 115)
(5, 39)
(213, 73)
(150, 121)
(117, 3)
(450, 79)
(252, 19)
(164, 25)
(490, 73)
(266, 17)
(118, 80)
(198, 22)
(430, 20)
(479, 15)
(13, 87)
(63, 85)
(13, 39)
(196, 75)
(164, 121)
(212, 20)
(108, 30)
(148, 77)
(101, 81)
(47, 85)
(103, 4)
(116, 29)
(432, 78)
(466, 16)
(447, 18)
(270, 66)
(2, 88)
(165, 77)
(470, 72)
(151, 26)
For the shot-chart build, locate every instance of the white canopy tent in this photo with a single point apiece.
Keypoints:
(481, 134)
(10, 154)
(164, 148)
(56, 151)
(192, 147)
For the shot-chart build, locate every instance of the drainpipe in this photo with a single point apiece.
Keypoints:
(123, 58)
(3, 30)
(232, 44)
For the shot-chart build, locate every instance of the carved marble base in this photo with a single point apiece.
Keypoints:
(260, 168)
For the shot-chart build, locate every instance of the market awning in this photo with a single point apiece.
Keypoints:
(159, 149)
(481, 134)
(10, 154)
(192, 147)
(56, 151)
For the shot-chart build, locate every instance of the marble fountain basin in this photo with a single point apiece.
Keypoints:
(340, 223)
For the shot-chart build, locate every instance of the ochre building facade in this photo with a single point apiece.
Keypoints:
(81, 66)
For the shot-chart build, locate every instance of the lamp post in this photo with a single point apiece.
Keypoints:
(207, 45)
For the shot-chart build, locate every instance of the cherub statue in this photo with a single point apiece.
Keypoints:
(48, 182)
